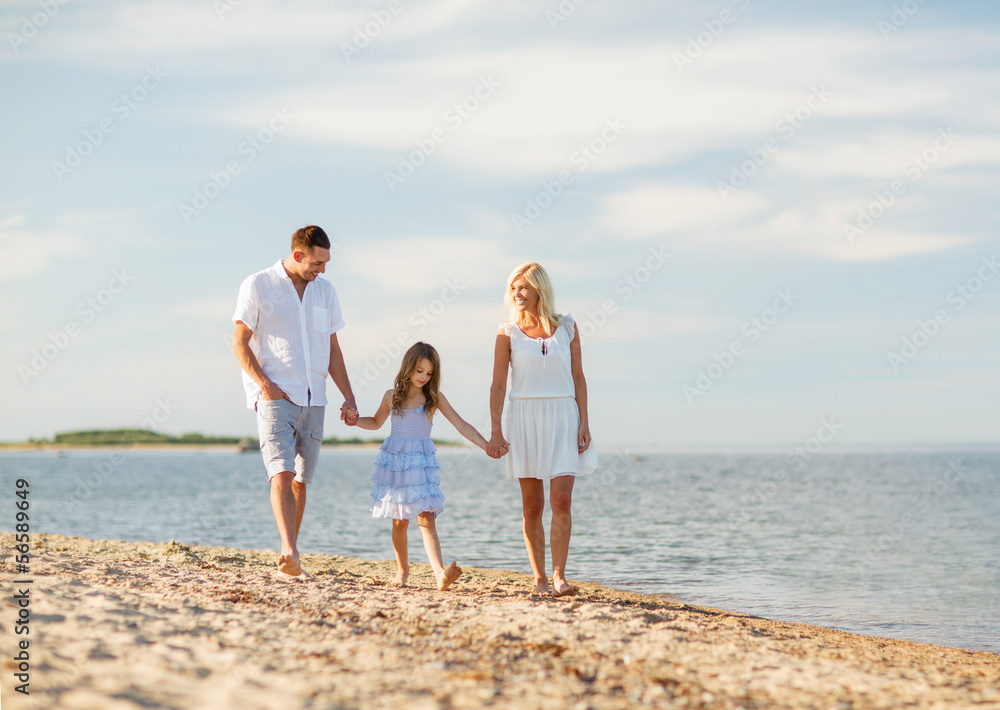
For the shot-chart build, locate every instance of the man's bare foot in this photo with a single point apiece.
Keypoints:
(400, 579)
(450, 575)
(289, 566)
(562, 588)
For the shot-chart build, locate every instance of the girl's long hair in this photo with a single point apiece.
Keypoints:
(539, 280)
(416, 353)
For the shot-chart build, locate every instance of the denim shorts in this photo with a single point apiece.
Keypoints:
(290, 437)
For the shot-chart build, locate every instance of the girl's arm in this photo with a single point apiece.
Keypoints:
(464, 428)
(498, 390)
(580, 387)
(376, 421)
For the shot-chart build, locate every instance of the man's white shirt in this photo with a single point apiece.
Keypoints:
(291, 338)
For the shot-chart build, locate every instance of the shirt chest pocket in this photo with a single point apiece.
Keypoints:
(321, 320)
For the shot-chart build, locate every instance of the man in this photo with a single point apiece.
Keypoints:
(287, 318)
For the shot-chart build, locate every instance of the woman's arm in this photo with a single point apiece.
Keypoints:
(498, 390)
(464, 428)
(580, 387)
(376, 421)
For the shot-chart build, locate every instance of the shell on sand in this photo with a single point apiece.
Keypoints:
(124, 625)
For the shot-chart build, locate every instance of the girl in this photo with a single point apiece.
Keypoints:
(406, 483)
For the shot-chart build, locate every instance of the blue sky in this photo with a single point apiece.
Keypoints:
(752, 206)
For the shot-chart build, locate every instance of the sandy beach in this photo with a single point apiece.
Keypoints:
(122, 626)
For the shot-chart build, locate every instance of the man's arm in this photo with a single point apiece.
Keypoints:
(248, 361)
(338, 373)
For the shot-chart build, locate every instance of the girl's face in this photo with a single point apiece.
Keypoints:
(524, 294)
(422, 373)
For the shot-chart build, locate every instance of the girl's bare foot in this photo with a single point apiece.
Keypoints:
(448, 576)
(562, 588)
(400, 579)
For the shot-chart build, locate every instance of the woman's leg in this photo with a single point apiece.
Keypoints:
(432, 545)
(399, 528)
(561, 499)
(533, 504)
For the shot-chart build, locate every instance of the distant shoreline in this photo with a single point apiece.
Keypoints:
(56, 448)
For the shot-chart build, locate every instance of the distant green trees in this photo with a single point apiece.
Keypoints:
(124, 437)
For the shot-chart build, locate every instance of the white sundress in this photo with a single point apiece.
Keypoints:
(543, 419)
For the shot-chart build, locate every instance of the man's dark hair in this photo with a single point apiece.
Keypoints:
(308, 237)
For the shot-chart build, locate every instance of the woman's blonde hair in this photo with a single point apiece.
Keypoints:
(416, 353)
(538, 279)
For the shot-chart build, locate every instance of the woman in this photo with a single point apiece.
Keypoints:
(547, 420)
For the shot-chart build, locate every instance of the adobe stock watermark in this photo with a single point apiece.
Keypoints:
(420, 320)
(88, 310)
(31, 26)
(248, 150)
(899, 16)
(796, 460)
(786, 127)
(563, 11)
(626, 287)
(752, 329)
(119, 111)
(919, 506)
(914, 169)
(714, 28)
(453, 117)
(957, 298)
(224, 7)
(365, 34)
(581, 160)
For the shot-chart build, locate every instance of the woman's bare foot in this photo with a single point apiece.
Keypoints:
(542, 587)
(400, 579)
(448, 576)
(288, 565)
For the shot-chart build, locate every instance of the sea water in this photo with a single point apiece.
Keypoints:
(894, 544)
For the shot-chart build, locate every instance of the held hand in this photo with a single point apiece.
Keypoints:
(583, 438)
(497, 446)
(349, 413)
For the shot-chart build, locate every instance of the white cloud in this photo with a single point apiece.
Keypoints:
(750, 222)
(25, 254)
(659, 209)
(422, 266)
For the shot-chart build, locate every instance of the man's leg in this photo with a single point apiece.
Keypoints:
(288, 504)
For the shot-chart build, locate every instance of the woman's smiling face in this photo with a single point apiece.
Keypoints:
(524, 295)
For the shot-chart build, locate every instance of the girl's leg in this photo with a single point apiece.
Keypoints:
(560, 499)
(399, 528)
(432, 545)
(533, 504)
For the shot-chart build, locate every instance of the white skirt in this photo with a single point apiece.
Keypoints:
(543, 435)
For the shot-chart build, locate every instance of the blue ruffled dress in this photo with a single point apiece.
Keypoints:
(406, 481)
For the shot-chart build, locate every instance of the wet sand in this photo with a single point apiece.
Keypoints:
(126, 626)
